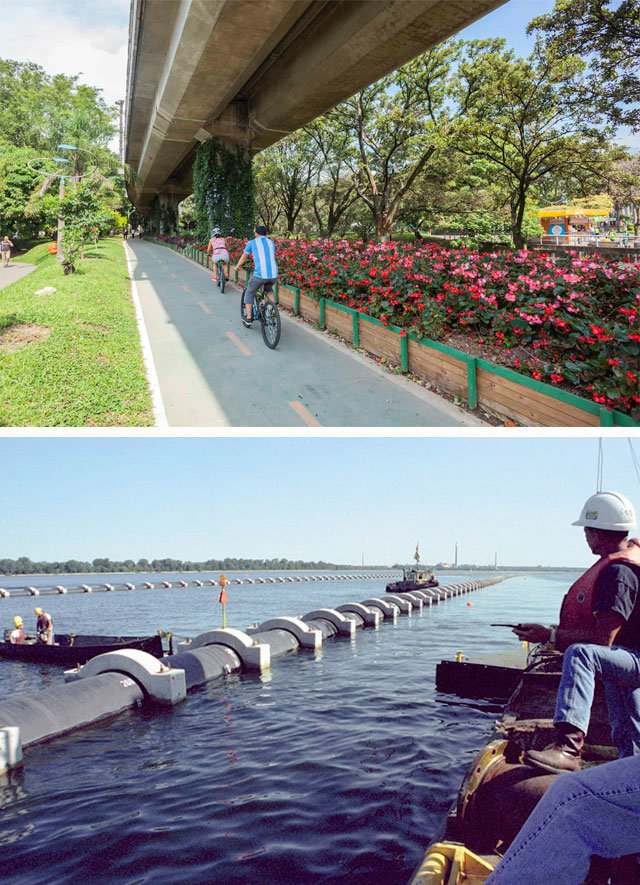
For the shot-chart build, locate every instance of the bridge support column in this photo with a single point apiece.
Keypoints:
(222, 175)
(163, 217)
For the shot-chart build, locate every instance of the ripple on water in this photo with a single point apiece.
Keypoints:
(338, 767)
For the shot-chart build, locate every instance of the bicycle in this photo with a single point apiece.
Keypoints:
(267, 312)
(221, 277)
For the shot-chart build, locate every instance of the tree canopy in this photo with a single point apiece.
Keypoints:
(610, 33)
(38, 112)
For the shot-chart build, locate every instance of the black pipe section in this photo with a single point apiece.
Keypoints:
(280, 641)
(52, 712)
(356, 618)
(204, 664)
(327, 629)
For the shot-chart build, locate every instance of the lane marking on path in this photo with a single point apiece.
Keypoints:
(305, 414)
(159, 413)
(204, 307)
(243, 347)
(186, 289)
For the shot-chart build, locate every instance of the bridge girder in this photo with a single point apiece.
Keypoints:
(252, 71)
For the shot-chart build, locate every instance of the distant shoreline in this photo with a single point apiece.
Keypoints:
(371, 568)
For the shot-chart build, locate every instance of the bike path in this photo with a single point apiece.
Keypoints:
(14, 272)
(212, 372)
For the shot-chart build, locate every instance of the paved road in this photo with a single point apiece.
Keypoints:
(14, 272)
(213, 372)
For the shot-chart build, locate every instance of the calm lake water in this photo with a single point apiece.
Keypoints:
(331, 767)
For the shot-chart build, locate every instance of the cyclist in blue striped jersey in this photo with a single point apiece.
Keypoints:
(265, 269)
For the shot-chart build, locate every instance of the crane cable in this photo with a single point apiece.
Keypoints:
(634, 459)
(600, 466)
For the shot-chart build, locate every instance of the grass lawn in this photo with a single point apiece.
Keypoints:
(72, 359)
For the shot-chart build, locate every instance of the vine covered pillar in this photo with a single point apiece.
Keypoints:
(223, 191)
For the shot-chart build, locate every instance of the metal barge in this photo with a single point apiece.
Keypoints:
(498, 792)
(74, 648)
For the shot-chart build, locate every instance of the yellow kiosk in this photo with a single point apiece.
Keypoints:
(565, 221)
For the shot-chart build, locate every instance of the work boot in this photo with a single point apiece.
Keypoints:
(564, 755)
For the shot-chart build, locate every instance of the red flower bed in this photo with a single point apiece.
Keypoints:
(572, 323)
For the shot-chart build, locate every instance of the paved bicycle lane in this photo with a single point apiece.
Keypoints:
(212, 372)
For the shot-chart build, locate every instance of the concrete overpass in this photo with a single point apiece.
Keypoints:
(252, 71)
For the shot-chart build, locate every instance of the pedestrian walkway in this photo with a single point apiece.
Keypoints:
(15, 271)
(212, 372)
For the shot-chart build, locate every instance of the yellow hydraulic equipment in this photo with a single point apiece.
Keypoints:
(448, 863)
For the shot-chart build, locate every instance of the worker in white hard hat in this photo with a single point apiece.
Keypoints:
(44, 626)
(599, 633)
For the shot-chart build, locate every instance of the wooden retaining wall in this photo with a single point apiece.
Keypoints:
(497, 390)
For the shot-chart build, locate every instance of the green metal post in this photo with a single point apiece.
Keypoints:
(322, 309)
(356, 330)
(472, 383)
(404, 353)
(606, 418)
(296, 301)
(276, 291)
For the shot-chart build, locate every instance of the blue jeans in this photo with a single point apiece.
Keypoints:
(595, 811)
(619, 669)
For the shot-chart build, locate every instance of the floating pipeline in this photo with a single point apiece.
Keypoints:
(113, 682)
(61, 590)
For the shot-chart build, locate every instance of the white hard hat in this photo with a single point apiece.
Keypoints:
(610, 511)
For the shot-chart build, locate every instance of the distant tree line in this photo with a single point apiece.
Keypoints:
(26, 566)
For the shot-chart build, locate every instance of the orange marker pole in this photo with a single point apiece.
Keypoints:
(222, 599)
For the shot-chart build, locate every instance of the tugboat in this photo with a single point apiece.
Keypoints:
(414, 578)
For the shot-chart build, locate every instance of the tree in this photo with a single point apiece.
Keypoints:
(268, 208)
(82, 212)
(335, 191)
(287, 170)
(524, 120)
(399, 124)
(187, 221)
(624, 188)
(38, 110)
(456, 194)
(610, 33)
(17, 182)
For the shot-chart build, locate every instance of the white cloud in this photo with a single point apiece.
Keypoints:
(64, 44)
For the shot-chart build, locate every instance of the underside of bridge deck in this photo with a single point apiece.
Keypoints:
(251, 71)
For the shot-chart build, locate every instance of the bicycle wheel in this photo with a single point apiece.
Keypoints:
(221, 277)
(242, 311)
(270, 324)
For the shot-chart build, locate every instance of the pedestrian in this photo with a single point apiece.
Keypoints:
(599, 633)
(16, 637)
(44, 627)
(5, 247)
(265, 269)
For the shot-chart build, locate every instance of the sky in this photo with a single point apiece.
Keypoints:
(90, 36)
(310, 498)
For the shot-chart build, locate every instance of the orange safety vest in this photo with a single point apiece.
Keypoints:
(577, 606)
